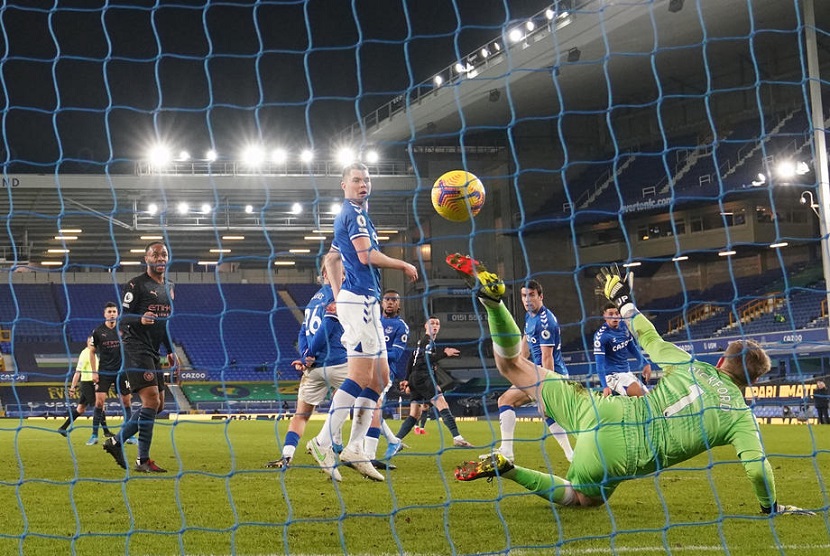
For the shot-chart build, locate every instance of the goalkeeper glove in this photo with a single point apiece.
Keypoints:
(615, 288)
(782, 509)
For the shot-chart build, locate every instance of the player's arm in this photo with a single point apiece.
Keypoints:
(93, 363)
(599, 359)
(643, 364)
(398, 346)
(370, 256)
(617, 291)
(334, 270)
(525, 348)
(547, 358)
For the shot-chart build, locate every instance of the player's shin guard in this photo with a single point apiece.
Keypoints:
(97, 415)
(561, 437)
(504, 331)
(406, 426)
(146, 422)
(553, 488)
(449, 421)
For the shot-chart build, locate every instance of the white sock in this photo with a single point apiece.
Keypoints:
(387, 432)
(507, 426)
(288, 451)
(363, 410)
(562, 437)
(370, 447)
(341, 404)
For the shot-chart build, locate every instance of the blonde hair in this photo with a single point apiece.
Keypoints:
(745, 361)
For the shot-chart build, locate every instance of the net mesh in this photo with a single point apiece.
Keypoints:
(683, 138)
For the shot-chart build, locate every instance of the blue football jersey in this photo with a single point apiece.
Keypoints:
(396, 334)
(612, 349)
(542, 329)
(354, 222)
(313, 317)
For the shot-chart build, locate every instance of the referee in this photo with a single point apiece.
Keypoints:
(84, 374)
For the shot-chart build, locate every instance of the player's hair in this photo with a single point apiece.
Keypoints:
(745, 361)
(390, 290)
(151, 244)
(607, 306)
(110, 304)
(353, 166)
(534, 285)
(432, 317)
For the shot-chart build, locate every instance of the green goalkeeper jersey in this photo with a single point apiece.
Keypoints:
(693, 408)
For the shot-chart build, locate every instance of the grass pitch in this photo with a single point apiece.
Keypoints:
(59, 497)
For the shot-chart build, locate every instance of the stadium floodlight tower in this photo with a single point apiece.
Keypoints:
(819, 145)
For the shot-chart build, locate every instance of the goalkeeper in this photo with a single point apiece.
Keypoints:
(696, 406)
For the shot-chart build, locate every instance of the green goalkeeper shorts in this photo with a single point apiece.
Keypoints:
(603, 455)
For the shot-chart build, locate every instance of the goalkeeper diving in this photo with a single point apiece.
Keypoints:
(695, 406)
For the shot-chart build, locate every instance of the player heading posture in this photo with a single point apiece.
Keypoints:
(85, 373)
(696, 406)
(146, 305)
(422, 385)
(323, 364)
(358, 307)
(613, 345)
(543, 345)
(106, 344)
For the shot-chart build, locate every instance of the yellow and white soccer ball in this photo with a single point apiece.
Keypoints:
(457, 195)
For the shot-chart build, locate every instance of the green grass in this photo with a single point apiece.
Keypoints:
(58, 496)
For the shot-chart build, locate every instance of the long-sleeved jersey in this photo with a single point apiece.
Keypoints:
(612, 349)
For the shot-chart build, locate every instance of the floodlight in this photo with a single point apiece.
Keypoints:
(159, 155)
(726, 253)
(801, 168)
(516, 35)
(211, 155)
(460, 68)
(438, 80)
(680, 258)
(249, 209)
(785, 169)
(253, 156)
(152, 209)
(279, 156)
(484, 52)
(306, 156)
(182, 208)
(372, 157)
(184, 155)
(530, 26)
(296, 208)
(345, 156)
(549, 13)
(778, 245)
(205, 208)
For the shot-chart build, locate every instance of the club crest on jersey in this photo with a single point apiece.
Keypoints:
(546, 334)
(128, 298)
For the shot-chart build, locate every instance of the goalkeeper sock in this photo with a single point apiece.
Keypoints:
(504, 331)
(507, 426)
(550, 487)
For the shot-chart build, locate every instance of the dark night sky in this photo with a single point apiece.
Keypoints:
(77, 82)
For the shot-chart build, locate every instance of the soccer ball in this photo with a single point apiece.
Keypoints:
(457, 195)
